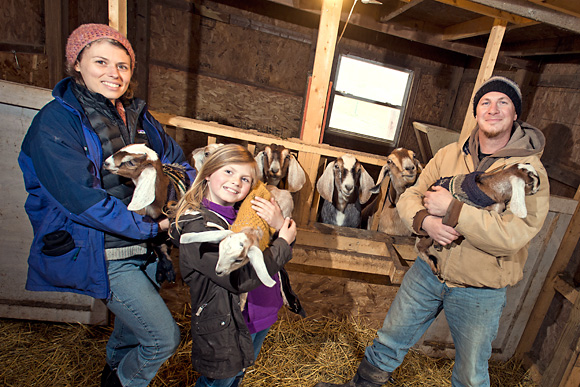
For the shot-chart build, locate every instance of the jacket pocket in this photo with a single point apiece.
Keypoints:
(214, 337)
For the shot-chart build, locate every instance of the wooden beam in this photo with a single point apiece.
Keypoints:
(493, 12)
(399, 9)
(565, 6)
(55, 40)
(536, 12)
(565, 251)
(485, 72)
(118, 15)
(325, 46)
(476, 27)
(554, 46)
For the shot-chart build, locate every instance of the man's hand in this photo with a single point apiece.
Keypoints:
(269, 211)
(437, 200)
(440, 233)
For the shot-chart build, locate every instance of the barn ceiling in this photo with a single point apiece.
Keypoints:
(535, 27)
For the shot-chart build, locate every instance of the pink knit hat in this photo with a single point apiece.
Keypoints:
(88, 33)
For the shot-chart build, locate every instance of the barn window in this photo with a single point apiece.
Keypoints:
(367, 103)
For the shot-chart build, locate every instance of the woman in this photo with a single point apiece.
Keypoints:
(85, 239)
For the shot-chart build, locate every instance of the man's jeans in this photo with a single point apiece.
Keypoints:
(472, 314)
(145, 334)
(257, 340)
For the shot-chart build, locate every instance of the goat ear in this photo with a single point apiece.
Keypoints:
(144, 193)
(366, 183)
(382, 174)
(325, 184)
(260, 161)
(518, 200)
(206, 236)
(197, 156)
(257, 260)
(296, 175)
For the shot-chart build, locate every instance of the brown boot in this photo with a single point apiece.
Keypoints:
(367, 375)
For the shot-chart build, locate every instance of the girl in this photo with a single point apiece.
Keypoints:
(85, 239)
(225, 340)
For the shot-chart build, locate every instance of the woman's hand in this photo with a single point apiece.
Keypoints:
(288, 230)
(437, 201)
(163, 225)
(440, 232)
(269, 211)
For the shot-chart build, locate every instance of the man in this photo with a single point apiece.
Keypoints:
(473, 274)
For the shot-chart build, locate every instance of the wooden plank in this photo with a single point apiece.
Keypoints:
(573, 379)
(566, 6)
(566, 289)
(118, 15)
(565, 251)
(314, 238)
(484, 9)
(25, 96)
(325, 46)
(397, 10)
(485, 72)
(140, 42)
(453, 89)
(295, 144)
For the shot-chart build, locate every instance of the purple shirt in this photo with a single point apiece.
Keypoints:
(263, 303)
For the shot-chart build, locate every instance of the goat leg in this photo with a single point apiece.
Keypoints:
(161, 246)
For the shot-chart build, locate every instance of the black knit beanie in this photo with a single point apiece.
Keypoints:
(502, 85)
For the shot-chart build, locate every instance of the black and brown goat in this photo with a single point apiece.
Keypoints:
(155, 185)
(345, 185)
(402, 169)
(278, 167)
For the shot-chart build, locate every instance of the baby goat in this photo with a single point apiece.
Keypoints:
(278, 167)
(155, 185)
(403, 169)
(199, 155)
(487, 190)
(345, 185)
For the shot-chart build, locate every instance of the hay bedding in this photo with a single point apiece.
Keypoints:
(298, 352)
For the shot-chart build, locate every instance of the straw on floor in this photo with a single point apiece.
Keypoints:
(297, 352)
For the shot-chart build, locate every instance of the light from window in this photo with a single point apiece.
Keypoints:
(369, 99)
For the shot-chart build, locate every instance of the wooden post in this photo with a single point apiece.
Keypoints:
(55, 41)
(485, 72)
(316, 102)
(118, 15)
(325, 46)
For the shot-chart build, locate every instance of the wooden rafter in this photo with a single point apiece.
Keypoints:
(118, 15)
(398, 10)
(570, 7)
(492, 12)
(534, 11)
(476, 27)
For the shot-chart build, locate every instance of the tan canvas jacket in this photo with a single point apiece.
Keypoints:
(494, 250)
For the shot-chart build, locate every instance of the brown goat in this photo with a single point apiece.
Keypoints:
(510, 184)
(403, 169)
(278, 167)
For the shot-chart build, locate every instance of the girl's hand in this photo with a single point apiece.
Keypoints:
(288, 230)
(269, 211)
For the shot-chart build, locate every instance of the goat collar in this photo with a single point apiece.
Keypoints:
(464, 188)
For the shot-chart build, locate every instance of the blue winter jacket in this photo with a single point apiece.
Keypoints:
(61, 159)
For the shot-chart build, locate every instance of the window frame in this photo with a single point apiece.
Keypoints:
(361, 137)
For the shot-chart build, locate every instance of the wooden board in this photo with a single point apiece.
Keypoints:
(521, 298)
(18, 106)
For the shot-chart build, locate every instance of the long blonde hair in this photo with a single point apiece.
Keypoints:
(225, 155)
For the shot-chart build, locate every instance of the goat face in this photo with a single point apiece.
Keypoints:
(276, 163)
(131, 160)
(402, 167)
(343, 181)
(233, 253)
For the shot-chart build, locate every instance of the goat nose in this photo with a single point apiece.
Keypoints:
(410, 168)
(348, 187)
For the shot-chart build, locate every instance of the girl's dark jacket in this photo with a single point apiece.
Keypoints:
(61, 160)
(221, 343)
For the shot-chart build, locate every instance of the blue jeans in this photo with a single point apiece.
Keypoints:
(145, 334)
(472, 314)
(257, 340)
